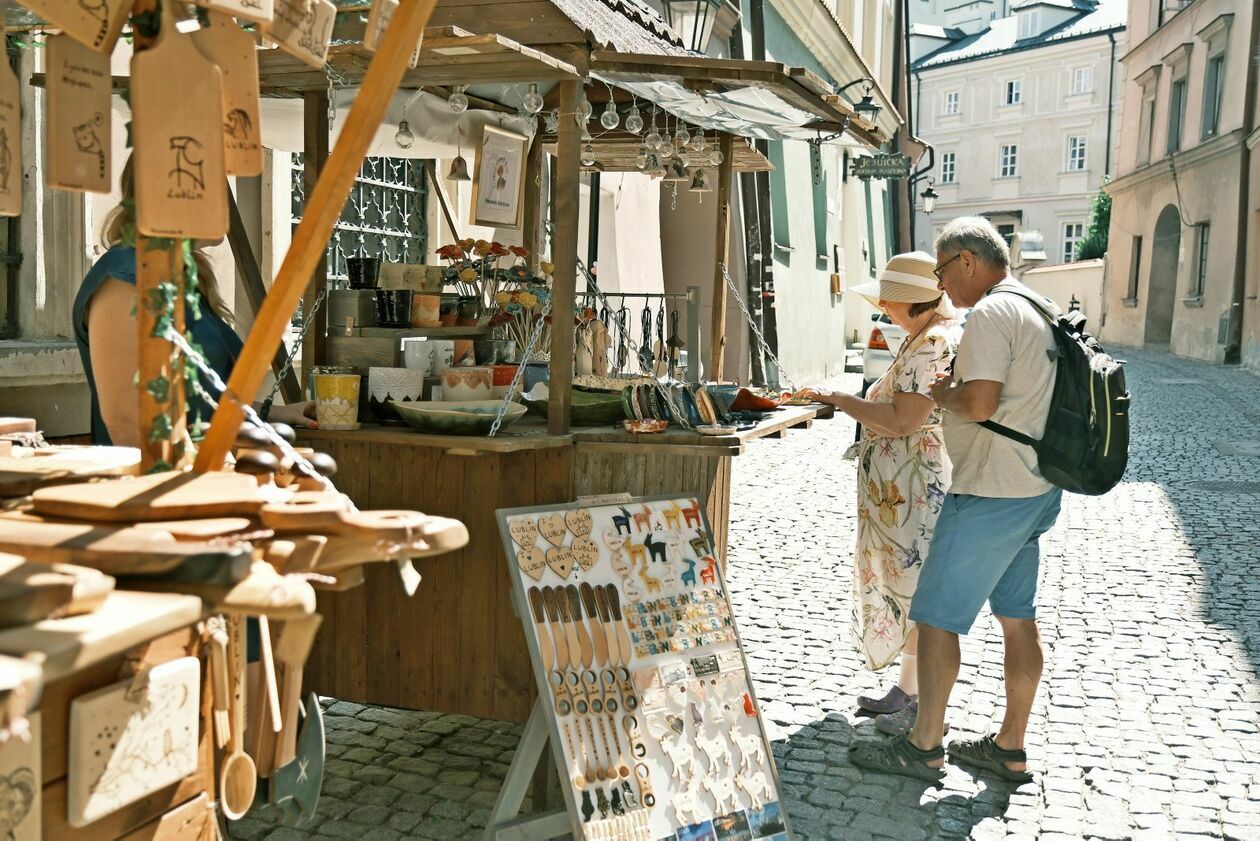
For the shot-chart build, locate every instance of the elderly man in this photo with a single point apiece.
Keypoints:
(986, 543)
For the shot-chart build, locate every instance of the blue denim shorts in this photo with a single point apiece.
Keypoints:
(984, 549)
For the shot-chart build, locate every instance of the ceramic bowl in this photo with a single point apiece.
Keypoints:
(464, 384)
(363, 272)
(645, 426)
(472, 417)
(389, 385)
(715, 429)
(586, 408)
(393, 307)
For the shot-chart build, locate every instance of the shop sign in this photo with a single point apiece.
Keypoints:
(881, 166)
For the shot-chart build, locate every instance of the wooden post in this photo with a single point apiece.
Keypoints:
(315, 130)
(564, 256)
(323, 207)
(158, 264)
(531, 228)
(717, 339)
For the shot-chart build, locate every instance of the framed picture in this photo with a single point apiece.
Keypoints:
(499, 179)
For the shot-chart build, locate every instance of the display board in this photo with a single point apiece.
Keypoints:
(642, 680)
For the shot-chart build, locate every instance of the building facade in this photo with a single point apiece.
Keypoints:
(1021, 105)
(1174, 244)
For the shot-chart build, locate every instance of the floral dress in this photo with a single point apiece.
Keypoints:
(901, 485)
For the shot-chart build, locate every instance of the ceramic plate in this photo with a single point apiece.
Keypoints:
(474, 417)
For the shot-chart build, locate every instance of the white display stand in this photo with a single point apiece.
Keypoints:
(644, 692)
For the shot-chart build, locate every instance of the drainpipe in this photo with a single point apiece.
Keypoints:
(592, 228)
(750, 212)
(1233, 347)
(1111, 93)
(901, 101)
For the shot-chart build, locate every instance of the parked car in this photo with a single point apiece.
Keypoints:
(882, 346)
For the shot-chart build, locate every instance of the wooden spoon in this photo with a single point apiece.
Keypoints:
(238, 776)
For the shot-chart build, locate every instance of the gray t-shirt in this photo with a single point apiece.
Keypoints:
(1004, 339)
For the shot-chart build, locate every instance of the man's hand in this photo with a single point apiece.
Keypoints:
(941, 388)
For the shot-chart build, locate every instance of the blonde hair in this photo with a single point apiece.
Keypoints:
(122, 215)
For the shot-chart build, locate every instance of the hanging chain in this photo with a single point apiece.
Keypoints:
(291, 356)
(520, 369)
(335, 80)
(761, 341)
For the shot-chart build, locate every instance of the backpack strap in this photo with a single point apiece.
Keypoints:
(1007, 432)
(1039, 306)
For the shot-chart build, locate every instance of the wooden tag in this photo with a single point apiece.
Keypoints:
(578, 521)
(78, 116)
(95, 23)
(552, 528)
(378, 19)
(524, 531)
(233, 50)
(532, 562)
(20, 784)
(177, 129)
(560, 561)
(303, 29)
(259, 11)
(614, 539)
(585, 552)
(10, 141)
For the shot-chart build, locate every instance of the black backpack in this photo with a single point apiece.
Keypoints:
(1085, 447)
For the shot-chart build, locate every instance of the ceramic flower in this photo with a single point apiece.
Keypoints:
(498, 249)
(518, 250)
(468, 274)
(528, 299)
(547, 268)
(481, 248)
(503, 297)
(450, 252)
(467, 244)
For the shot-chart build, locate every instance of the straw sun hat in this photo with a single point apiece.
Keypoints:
(908, 278)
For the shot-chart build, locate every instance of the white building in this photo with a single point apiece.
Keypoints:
(1021, 103)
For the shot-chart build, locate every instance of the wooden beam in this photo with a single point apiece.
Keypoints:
(440, 190)
(315, 130)
(564, 256)
(717, 339)
(256, 290)
(531, 226)
(323, 207)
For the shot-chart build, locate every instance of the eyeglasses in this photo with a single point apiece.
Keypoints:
(937, 271)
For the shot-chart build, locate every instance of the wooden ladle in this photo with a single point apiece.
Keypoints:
(238, 778)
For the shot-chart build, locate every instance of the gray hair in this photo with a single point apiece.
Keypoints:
(977, 235)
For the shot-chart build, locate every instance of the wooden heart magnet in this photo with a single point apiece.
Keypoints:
(78, 116)
(95, 23)
(578, 521)
(233, 50)
(585, 552)
(259, 11)
(532, 562)
(524, 531)
(560, 561)
(552, 528)
(303, 29)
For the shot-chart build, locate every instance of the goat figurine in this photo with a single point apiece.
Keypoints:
(653, 584)
(644, 519)
(622, 520)
(672, 515)
(689, 576)
(708, 575)
(701, 546)
(658, 549)
(691, 514)
(757, 787)
(752, 750)
(638, 554)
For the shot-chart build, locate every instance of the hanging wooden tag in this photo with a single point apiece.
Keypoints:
(259, 11)
(303, 29)
(78, 116)
(177, 129)
(233, 50)
(95, 23)
(10, 141)
(378, 19)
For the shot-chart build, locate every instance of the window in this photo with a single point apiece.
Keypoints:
(948, 167)
(951, 102)
(1082, 80)
(1008, 159)
(1135, 268)
(1076, 153)
(1007, 232)
(1073, 232)
(1176, 113)
(1029, 24)
(1147, 139)
(1014, 92)
(1199, 280)
(1213, 88)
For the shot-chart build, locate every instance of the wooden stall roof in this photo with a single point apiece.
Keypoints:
(448, 55)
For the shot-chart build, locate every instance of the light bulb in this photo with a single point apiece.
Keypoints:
(586, 137)
(552, 122)
(697, 143)
(634, 120)
(716, 156)
(642, 160)
(583, 110)
(457, 101)
(666, 148)
(609, 119)
(588, 155)
(533, 100)
(653, 139)
(403, 137)
(682, 137)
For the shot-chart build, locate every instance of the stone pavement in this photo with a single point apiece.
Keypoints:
(1147, 723)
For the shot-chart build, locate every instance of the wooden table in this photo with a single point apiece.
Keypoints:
(457, 646)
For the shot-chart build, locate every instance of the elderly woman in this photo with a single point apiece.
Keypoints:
(903, 471)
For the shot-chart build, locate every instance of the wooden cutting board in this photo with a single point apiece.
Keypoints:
(31, 592)
(96, 23)
(23, 476)
(303, 29)
(177, 129)
(233, 50)
(162, 496)
(259, 11)
(78, 128)
(10, 141)
(20, 785)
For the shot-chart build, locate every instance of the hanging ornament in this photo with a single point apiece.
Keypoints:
(666, 148)
(457, 100)
(642, 160)
(403, 137)
(588, 155)
(609, 119)
(459, 166)
(584, 110)
(634, 120)
(698, 143)
(533, 100)
(700, 182)
(552, 121)
(682, 137)
(716, 157)
(653, 138)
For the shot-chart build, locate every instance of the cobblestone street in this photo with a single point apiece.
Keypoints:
(1147, 722)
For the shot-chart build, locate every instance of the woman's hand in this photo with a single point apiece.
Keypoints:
(295, 414)
(818, 395)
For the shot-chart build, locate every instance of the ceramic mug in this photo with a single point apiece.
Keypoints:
(443, 355)
(426, 310)
(449, 312)
(460, 384)
(418, 355)
(337, 401)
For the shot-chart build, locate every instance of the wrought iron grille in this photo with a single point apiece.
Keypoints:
(384, 215)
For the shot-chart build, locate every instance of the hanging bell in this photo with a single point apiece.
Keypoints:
(700, 181)
(676, 172)
(459, 170)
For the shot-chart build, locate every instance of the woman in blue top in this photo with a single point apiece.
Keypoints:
(105, 330)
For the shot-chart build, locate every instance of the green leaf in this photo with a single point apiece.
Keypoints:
(159, 388)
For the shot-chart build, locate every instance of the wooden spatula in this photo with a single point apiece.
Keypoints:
(177, 129)
(234, 51)
(162, 496)
(78, 127)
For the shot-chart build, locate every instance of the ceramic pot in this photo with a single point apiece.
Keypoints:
(418, 355)
(364, 272)
(426, 310)
(324, 369)
(393, 384)
(463, 384)
(393, 307)
(448, 314)
(337, 401)
(469, 311)
(494, 351)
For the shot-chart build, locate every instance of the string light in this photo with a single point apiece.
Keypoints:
(457, 100)
(653, 138)
(682, 137)
(533, 102)
(588, 155)
(609, 119)
(642, 160)
(634, 120)
(584, 110)
(403, 137)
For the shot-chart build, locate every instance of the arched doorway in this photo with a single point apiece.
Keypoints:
(1161, 292)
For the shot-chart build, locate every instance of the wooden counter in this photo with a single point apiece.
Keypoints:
(457, 646)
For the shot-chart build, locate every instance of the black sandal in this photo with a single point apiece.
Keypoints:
(985, 753)
(898, 756)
